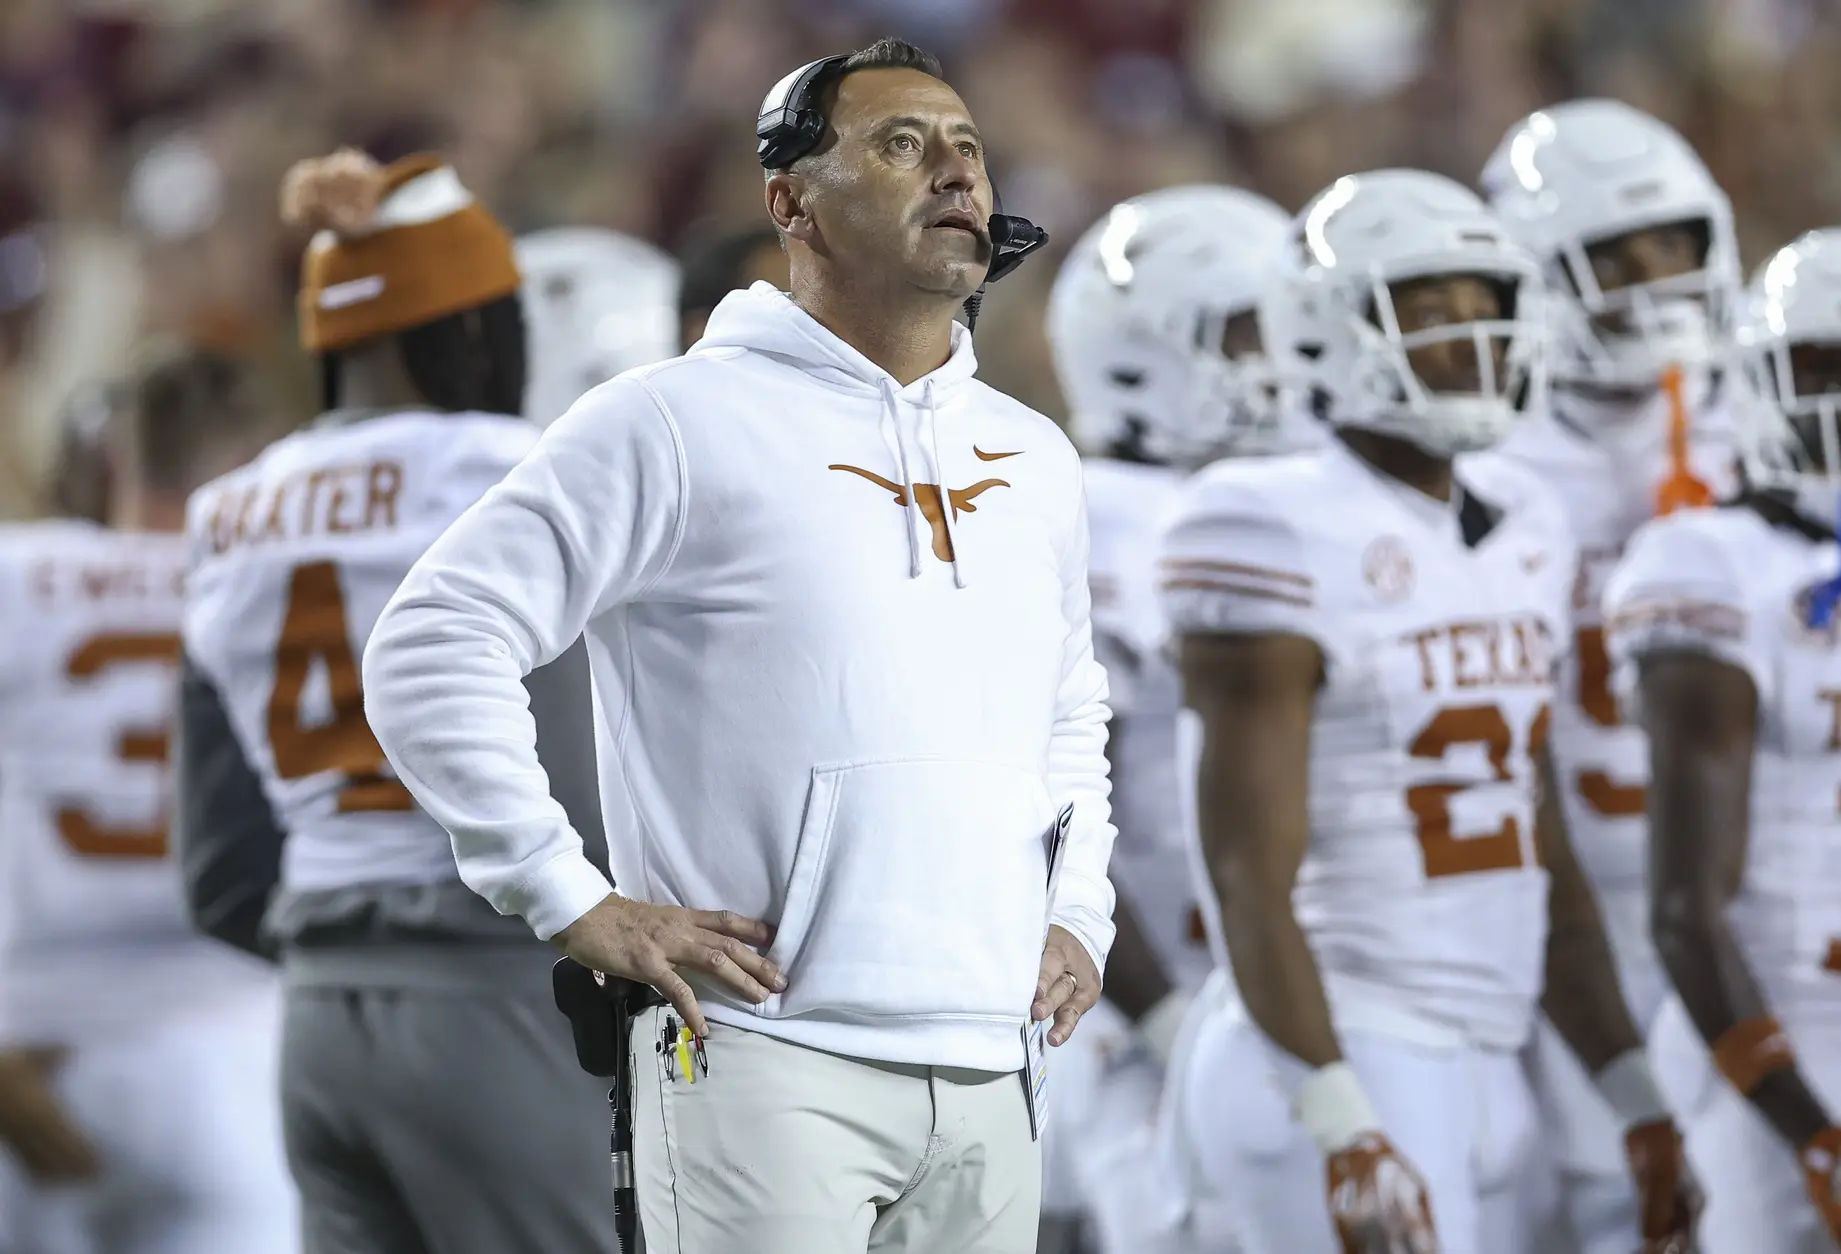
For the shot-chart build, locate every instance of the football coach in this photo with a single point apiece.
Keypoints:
(834, 592)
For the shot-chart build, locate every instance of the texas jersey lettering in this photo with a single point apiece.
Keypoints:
(1421, 892)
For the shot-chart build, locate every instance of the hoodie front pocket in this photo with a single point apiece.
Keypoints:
(918, 889)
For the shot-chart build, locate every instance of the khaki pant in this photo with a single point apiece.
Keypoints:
(782, 1149)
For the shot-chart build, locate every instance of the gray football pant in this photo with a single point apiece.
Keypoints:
(442, 1122)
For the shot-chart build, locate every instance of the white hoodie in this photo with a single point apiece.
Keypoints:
(822, 701)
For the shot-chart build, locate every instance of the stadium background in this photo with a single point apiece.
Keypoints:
(141, 141)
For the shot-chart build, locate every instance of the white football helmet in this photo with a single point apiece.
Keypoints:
(595, 303)
(1329, 315)
(1793, 432)
(1590, 171)
(1136, 320)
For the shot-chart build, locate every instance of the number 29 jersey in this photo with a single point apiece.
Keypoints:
(293, 557)
(1421, 892)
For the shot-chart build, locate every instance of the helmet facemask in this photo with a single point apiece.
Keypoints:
(1796, 439)
(1625, 333)
(1448, 379)
(1238, 395)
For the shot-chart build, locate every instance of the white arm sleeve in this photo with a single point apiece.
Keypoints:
(1232, 564)
(1678, 588)
(590, 519)
(1077, 768)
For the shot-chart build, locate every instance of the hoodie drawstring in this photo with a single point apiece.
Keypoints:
(891, 411)
(939, 472)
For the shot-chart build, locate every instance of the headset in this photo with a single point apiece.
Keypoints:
(791, 124)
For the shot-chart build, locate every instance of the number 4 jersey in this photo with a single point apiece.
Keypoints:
(1422, 892)
(292, 559)
(93, 932)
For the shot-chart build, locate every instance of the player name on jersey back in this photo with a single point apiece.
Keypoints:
(56, 581)
(293, 558)
(1726, 583)
(305, 504)
(1422, 891)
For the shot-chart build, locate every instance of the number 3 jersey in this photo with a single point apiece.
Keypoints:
(94, 936)
(1421, 892)
(292, 559)
(1727, 583)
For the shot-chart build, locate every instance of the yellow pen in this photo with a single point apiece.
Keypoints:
(684, 1064)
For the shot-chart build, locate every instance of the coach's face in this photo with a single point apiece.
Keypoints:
(902, 184)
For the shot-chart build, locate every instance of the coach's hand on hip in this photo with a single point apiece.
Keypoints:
(1068, 985)
(638, 940)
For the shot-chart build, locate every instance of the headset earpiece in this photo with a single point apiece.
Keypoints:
(790, 124)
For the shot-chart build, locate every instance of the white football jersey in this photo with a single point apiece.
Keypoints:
(1726, 582)
(292, 559)
(1602, 762)
(1422, 892)
(93, 927)
(1126, 503)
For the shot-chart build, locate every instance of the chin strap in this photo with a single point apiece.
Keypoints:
(1681, 488)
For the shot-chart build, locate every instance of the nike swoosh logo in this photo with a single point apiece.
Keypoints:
(991, 457)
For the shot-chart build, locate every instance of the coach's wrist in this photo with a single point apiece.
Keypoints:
(1334, 1108)
(1628, 1085)
(557, 894)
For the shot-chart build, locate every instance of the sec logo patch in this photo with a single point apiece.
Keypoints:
(1388, 568)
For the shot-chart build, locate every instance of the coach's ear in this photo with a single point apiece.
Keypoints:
(787, 206)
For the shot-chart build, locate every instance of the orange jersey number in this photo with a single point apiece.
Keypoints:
(77, 828)
(315, 627)
(1603, 794)
(1446, 852)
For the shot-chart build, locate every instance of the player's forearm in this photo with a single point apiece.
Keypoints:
(1699, 829)
(1135, 978)
(1274, 968)
(1583, 999)
(1722, 997)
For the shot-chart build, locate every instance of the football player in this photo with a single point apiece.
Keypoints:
(137, 1059)
(595, 303)
(1636, 243)
(715, 266)
(1368, 638)
(1156, 345)
(430, 1093)
(1723, 622)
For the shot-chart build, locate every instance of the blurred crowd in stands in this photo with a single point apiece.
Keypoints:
(141, 141)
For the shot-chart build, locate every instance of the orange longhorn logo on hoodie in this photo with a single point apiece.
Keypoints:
(927, 496)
